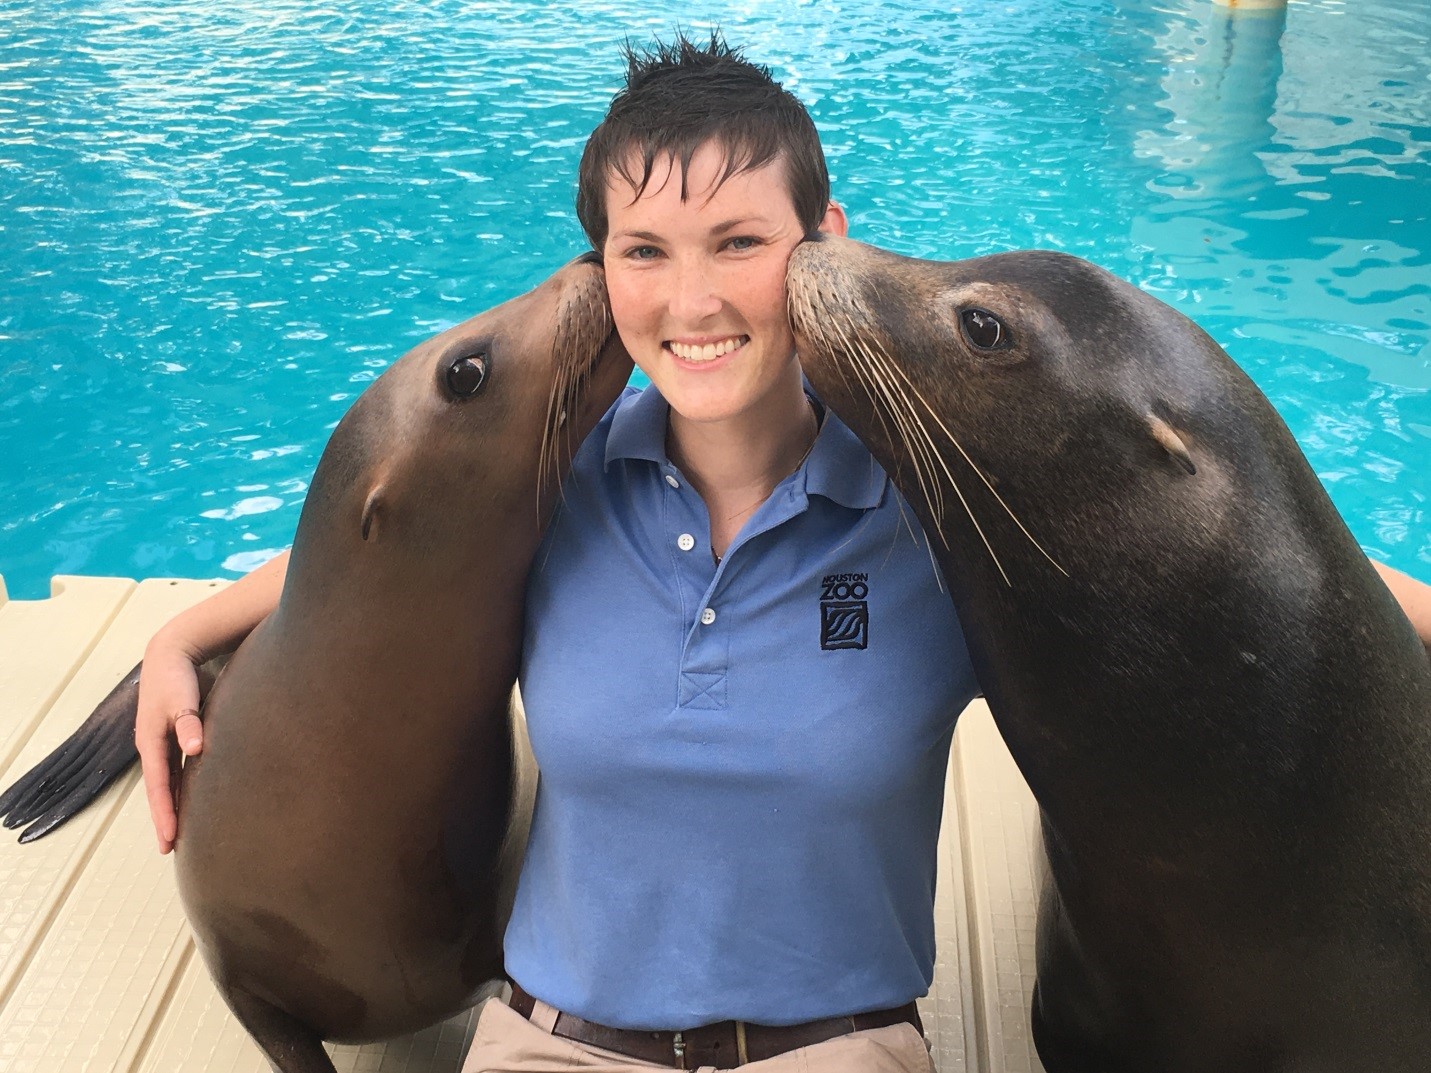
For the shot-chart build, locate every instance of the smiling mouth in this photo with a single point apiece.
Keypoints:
(708, 352)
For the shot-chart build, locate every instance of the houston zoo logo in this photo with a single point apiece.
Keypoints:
(844, 611)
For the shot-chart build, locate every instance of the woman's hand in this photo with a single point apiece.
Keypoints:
(167, 723)
(173, 681)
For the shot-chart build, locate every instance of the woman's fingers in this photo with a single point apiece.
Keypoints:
(167, 722)
(160, 772)
(189, 731)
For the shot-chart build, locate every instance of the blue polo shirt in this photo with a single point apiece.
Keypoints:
(742, 765)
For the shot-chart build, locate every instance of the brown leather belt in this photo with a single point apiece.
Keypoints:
(725, 1044)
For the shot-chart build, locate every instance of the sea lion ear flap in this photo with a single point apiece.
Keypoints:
(1171, 442)
(370, 510)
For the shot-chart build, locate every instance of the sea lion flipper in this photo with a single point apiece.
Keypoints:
(77, 772)
(289, 1045)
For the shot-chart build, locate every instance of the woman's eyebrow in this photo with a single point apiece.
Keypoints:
(742, 221)
(718, 229)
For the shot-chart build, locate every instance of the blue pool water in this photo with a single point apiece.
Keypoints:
(219, 221)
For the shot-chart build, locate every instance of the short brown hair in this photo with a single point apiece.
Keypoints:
(679, 96)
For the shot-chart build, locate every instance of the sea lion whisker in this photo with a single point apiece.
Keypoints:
(933, 496)
(844, 370)
(964, 502)
(935, 501)
(816, 327)
(543, 451)
(547, 452)
(851, 367)
(586, 326)
(923, 445)
(916, 534)
(917, 437)
(870, 385)
(575, 392)
(861, 375)
(987, 484)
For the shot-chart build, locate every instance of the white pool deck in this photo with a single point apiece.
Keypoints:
(98, 971)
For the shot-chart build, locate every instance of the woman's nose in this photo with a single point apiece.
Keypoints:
(694, 296)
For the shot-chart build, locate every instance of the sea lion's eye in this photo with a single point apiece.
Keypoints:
(467, 374)
(984, 330)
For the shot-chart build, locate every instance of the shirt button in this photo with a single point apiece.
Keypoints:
(672, 481)
(685, 542)
(708, 616)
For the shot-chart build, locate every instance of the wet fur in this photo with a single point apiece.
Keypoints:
(1223, 714)
(350, 836)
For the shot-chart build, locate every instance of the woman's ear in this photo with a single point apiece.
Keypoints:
(835, 221)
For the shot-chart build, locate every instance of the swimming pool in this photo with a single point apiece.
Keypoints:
(218, 222)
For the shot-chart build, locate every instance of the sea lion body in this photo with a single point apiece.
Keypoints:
(341, 838)
(1222, 712)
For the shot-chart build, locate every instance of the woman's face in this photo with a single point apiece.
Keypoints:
(697, 287)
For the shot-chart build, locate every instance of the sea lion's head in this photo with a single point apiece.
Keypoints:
(1030, 405)
(469, 434)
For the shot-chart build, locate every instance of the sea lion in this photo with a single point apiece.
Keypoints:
(1222, 712)
(347, 843)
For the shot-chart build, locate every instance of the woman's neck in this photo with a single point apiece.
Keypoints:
(734, 465)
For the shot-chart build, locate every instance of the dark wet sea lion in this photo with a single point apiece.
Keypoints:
(341, 837)
(1222, 712)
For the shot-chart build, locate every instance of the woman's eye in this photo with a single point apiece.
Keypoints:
(643, 253)
(743, 242)
(984, 330)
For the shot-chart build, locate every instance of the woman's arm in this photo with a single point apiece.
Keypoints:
(1413, 596)
(168, 710)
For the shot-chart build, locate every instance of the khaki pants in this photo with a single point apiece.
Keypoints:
(506, 1042)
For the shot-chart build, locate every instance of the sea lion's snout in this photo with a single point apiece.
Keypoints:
(830, 296)
(814, 282)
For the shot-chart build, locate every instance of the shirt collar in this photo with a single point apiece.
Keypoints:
(838, 466)
(638, 428)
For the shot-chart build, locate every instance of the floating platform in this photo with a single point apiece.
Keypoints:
(98, 971)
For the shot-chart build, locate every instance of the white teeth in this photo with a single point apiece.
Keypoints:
(710, 351)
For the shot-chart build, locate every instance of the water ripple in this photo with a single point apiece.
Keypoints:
(218, 222)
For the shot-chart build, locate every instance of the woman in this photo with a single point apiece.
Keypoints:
(741, 673)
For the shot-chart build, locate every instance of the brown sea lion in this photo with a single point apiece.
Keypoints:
(1222, 712)
(347, 839)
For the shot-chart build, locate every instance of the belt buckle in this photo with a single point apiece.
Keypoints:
(742, 1054)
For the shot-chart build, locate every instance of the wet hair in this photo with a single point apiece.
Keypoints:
(678, 97)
